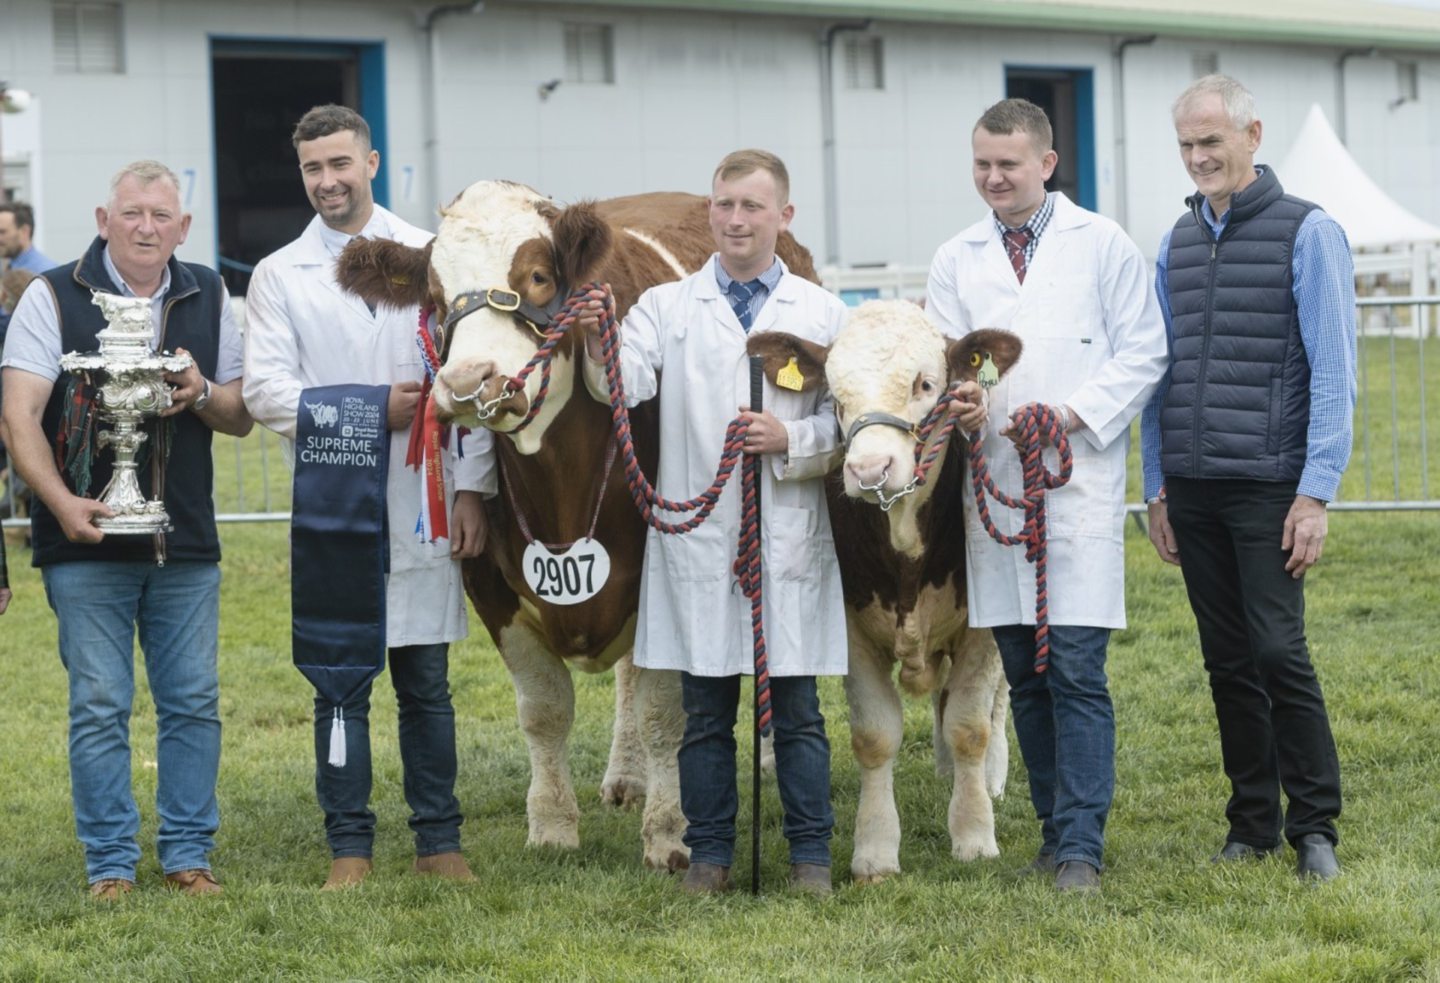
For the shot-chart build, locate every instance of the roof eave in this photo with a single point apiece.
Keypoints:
(1091, 19)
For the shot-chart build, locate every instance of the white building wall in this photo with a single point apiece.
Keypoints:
(160, 106)
(689, 87)
(1399, 148)
(904, 153)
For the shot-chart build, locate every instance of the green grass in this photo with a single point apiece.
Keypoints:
(1388, 422)
(1165, 914)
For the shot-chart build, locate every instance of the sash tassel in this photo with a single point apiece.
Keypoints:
(337, 739)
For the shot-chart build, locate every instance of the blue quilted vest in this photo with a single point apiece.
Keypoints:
(1239, 398)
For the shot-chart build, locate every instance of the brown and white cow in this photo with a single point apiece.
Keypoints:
(505, 236)
(904, 573)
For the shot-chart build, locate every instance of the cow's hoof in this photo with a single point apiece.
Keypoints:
(676, 860)
(873, 870)
(623, 793)
(554, 839)
(968, 851)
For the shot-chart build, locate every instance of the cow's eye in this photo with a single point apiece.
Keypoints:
(927, 386)
(539, 278)
(975, 359)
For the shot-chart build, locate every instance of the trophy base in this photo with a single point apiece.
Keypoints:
(140, 524)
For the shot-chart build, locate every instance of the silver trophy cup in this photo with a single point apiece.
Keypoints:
(131, 386)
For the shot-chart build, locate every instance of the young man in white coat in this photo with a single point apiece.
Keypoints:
(693, 617)
(303, 331)
(1074, 287)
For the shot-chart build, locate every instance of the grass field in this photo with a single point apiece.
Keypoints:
(1166, 914)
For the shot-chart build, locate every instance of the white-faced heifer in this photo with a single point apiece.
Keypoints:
(904, 571)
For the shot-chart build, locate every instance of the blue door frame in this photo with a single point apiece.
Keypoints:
(1083, 80)
(370, 91)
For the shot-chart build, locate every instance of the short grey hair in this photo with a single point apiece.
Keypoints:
(146, 172)
(1239, 103)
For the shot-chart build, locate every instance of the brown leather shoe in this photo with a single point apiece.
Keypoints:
(703, 878)
(197, 881)
(1077, 877)
(450, 865)
(346, 872)
(111, 889)
(810, 879)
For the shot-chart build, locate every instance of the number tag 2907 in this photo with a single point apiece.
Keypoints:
(570, 577)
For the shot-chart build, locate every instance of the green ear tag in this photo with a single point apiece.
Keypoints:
(989, 374)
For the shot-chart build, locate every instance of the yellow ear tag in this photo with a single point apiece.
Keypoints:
(989, 375)
(789, 377)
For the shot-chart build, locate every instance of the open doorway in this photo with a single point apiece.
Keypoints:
(260, 89)
(1067, 96)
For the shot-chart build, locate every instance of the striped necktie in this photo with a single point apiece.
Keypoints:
(740, 296)
(1015, 242)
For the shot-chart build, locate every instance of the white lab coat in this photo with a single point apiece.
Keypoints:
(693, 615)
(1094, 340)
(303, 330)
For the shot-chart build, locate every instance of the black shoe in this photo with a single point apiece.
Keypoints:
(1078, 877)
(1242, 851)
(1044, 863)
(1315, 858)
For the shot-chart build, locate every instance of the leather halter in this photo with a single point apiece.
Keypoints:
(504, 301)
(880, 420)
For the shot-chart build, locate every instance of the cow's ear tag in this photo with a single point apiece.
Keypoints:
(789, 377)
(989, 375)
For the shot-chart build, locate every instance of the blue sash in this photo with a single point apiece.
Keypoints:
(339, 544)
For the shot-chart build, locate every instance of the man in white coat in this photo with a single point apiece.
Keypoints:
(1074, 287)
(303, 331)
(693, 617)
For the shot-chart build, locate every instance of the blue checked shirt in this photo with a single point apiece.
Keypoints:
(768, 281)
(1036, 225)
(1324, 288)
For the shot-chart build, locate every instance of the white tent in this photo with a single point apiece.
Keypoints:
(1319, 168)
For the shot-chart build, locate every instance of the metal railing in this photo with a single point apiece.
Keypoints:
(1390, 469)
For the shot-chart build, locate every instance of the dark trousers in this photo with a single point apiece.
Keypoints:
(1274, 731)
(427, 755)
(708, 797)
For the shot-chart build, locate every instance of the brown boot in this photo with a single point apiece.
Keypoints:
(703, 878)
(810, 879)
(197, 881)
(346, 872)
(450, 865)
(110, 889)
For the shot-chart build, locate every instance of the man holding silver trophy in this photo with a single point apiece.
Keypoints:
(104, 581)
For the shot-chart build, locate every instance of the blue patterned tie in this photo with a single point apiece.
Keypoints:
(740, 294)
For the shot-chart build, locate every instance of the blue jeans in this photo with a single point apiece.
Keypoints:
(707, 767)
(176, 608)
(1066, 726)
(427, 755)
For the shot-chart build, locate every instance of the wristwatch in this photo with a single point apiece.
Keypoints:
(203, 399)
